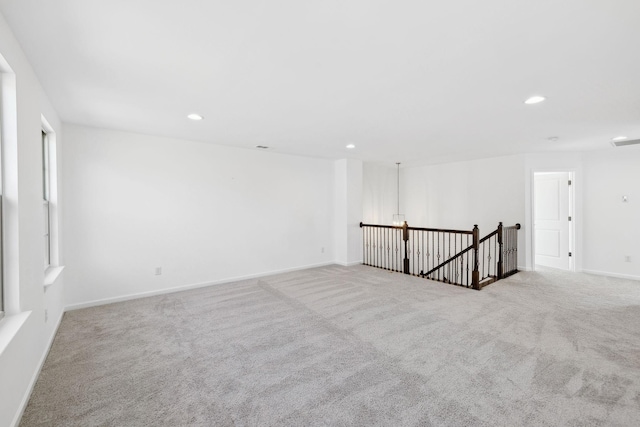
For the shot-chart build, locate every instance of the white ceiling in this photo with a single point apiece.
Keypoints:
(410, 81)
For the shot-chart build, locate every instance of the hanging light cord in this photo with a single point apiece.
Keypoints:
(398, 163)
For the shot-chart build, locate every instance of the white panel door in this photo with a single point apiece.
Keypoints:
(551, 212)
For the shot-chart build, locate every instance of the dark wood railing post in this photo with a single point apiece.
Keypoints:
(475, 275)
(405, 237)
(364, 245)
(500, 260)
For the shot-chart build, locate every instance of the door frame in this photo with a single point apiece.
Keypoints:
(572, 214)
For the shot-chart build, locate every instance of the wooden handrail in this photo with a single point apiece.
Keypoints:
(459, 254)
(488, 236)
(439, 230)
(380, 226)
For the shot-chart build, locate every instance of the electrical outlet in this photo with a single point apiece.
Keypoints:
(322, 250)
(46, 315)
(627, 258)
(158, 271)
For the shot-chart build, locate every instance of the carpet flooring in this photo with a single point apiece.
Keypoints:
(337, 346)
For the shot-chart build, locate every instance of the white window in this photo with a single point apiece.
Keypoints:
(46, 179)
(9, 283)
(52, 267)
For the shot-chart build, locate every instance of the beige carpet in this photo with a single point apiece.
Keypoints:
(352, 346)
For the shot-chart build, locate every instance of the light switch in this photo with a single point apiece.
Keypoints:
(625, 199)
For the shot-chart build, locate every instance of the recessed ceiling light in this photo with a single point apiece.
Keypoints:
(619, 138)
(553, 138)
(194, 116)
(350, 146)
(535, 99)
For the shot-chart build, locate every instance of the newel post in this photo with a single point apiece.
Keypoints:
(499, 272)
(475, 275)
(405, 237)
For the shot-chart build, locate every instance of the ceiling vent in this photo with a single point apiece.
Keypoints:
(624, 143)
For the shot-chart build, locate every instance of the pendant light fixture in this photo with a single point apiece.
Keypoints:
(398, 218)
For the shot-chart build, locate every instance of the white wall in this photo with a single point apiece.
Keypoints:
(354, 211)
(459, 195)
(348, 211)
(379, 193)
(453, 195)
(204, 213)
(611, 226)
(25, 336)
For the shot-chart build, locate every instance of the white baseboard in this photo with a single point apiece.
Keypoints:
(171, 290)
(348, 264)
(609, 274)
(36, 374)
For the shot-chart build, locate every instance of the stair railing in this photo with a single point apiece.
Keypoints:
(458, 257)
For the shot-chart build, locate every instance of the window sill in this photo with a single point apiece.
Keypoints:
(9, 327)
(51, 275)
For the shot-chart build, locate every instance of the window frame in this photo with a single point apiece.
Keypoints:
(46, 197)
(9, 242)
(50, 198)
(2, 281)
(2, 309)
